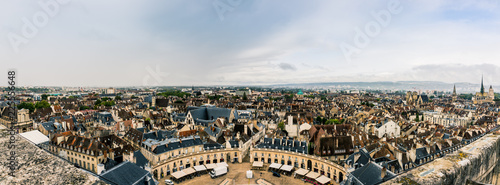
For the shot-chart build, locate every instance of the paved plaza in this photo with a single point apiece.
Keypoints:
(237, 175)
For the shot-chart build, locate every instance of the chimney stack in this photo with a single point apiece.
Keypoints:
(383, 173)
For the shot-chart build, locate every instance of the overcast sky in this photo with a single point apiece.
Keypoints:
(248, 42)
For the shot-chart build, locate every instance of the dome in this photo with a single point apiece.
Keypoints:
(300, 92)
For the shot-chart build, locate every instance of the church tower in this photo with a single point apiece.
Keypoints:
(491, 93)
(454, 95)
(482, 86)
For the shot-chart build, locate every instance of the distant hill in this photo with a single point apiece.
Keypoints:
(462, 87)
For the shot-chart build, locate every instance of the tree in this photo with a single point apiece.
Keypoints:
(281, 125)
(118, 97)
(245, 96)
(329, 122)
(98, 102)
(26, 105)
(108, 103)
(84, 107)
(44, 96)
(318, 119)
(42, 104)
(417, 119)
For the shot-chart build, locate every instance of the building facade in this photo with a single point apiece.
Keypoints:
(168, 166)
(299, 160)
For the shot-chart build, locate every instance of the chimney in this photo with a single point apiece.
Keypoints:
(383, 173)
(100, 168)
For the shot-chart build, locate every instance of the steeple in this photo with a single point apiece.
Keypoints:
(454, 90)
(482, 86)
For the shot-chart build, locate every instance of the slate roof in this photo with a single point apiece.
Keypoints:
(212, 146)
(49, 126)
(140, 160)
(370, 174)
(364, 158)
(173, 144)
(421, 153)
(284, 144)
(207, 114)
(127, 173)
(104, 117)
(212, 130)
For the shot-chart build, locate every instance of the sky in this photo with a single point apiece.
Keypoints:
(248, 42)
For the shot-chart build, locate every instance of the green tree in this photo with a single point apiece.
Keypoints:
(84, 107)
(245, 96)
(329, 122)
(281, 125)
(319, 119)
(108, 103)
(98, 102)
(118, 97)
(42, 104)
(26, 105)
(417, 119)
(44, 96)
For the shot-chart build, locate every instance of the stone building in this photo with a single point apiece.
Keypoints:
(484, 97)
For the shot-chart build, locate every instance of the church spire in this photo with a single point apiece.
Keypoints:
(482, 86)
(454, 90)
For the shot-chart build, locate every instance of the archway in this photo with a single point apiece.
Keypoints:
(341, 177)
(309, 164)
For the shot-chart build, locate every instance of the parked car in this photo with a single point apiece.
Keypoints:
(276, 174)
(169, 182)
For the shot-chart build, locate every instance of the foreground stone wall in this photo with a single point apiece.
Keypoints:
(477, 161)
(37, 166)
